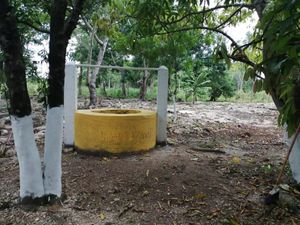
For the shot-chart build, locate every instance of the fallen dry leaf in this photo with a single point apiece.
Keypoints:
(235, 160)
(102, 216)
(200, 196)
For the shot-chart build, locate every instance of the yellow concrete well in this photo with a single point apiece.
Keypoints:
(114, 130)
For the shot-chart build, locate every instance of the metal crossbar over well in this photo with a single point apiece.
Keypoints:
(70, 99)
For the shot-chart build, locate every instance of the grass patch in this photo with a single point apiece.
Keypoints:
(117, 93)
(249, 97)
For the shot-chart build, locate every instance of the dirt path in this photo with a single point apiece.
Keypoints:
(221, 159)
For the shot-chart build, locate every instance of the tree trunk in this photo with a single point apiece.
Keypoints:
(127, 88)
(31, 181)
(92, 81)
(104, 88)
(143, 83)
(176, 85)
(80, 82)
(193, 96)
(152, 86)
(123, 87)
(61, 30)
(90, 56)
(143, 87)
(54, 119)
(14, 63)
(175, 66)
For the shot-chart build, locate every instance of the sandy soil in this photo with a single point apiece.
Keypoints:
(222, 158)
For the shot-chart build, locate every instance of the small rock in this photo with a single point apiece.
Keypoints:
(68, 150)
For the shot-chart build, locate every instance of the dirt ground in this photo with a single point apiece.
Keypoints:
(220, 161)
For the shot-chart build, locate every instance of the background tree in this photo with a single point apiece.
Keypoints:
(195, 80)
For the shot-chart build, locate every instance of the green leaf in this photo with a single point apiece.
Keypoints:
(257, 86)
(249, 73)
(224, 53)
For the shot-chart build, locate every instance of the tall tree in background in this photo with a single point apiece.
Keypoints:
(101, 24)
(62, 16)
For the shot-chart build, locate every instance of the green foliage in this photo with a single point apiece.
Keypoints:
(280, 24)
(273, 53)
(222, 53)
(148, 32)
(221, 83)
(3, 87)
(204, 71)
(195, 83)
(248, 97)
(249, 73)
(116, 93)
(37, 86)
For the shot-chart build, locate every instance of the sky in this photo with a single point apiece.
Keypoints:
(239, 33)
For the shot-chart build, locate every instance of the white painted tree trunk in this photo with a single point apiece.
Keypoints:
(53, 149)
(294, 159)
(33, 182)
(31, 179)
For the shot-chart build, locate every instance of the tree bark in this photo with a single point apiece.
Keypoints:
(60, 33)
(34, 184)
(104, 88)
(92, 81)
(57, 52)
(14, 68)
(143, 87)
(176, 68)
(80, 82)
(123, 87)
(31, 181)
(90, 56)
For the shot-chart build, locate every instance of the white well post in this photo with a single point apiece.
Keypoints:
(162, 105)
(70, 102)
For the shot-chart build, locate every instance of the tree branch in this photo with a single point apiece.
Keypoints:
(234, 43)
(229, 18)
(240, 57)
(245, 46)
(72, 20)
(249, 6)
(89, 26)
(39, 29)
(248, 62)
